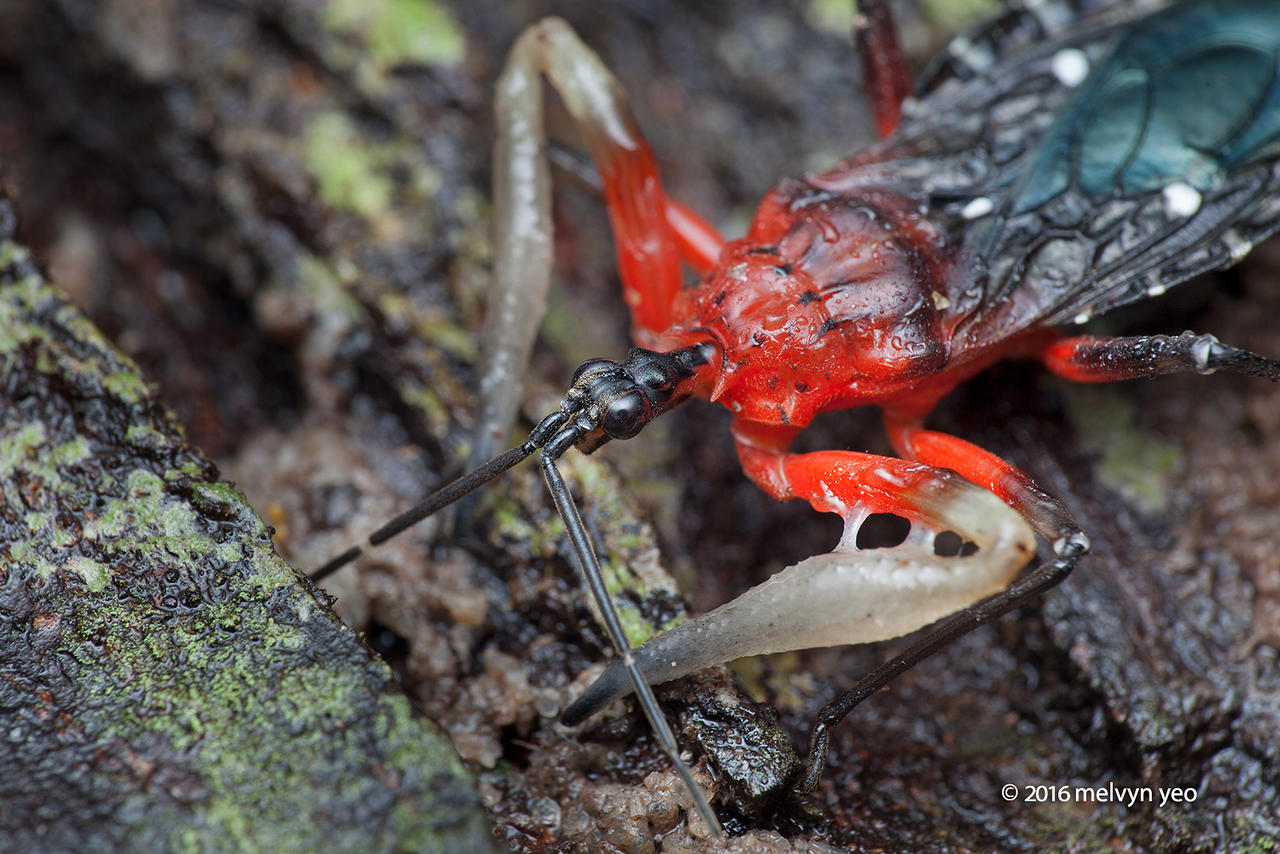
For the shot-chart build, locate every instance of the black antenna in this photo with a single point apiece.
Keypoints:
(589, 566)
(434, 502)
(606, 400)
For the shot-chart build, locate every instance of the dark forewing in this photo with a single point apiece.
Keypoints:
(1089, 170)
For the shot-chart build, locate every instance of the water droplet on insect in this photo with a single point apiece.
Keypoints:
(773, 322)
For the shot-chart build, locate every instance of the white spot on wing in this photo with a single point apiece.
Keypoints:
(969, 53)
(1154, 286)
(1238, 245)
(1070, 66)
(977, 208)
(1181, 199)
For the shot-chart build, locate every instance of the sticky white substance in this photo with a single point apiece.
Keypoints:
(1202, 351)
(848, 596)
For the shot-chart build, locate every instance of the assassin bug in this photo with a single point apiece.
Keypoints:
(1039, 191)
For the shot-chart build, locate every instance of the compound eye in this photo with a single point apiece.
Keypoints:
(625, 415)
(592, 366)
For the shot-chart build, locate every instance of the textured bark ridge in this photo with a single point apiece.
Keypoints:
(167, 682)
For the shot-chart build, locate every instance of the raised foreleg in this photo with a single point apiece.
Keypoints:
(849, 595)
(652, 232)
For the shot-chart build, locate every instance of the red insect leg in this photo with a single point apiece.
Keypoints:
(845, 482)
(698, 241)
(852, 483)
(885, 75)
(1045, 513)
(648, 256)
(652, 233)
(649, 250)
(1084, 359)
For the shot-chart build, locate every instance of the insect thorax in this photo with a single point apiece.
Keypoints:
(829, 300)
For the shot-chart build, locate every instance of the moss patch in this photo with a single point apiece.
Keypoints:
(174, 685)
(1135, 463)
(398, 32)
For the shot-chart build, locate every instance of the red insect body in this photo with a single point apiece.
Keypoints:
(838, 295)
(832, 300)
(828, 302)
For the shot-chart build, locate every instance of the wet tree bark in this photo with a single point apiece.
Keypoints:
(168, 682)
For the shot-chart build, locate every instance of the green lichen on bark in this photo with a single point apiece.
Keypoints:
(170, 684)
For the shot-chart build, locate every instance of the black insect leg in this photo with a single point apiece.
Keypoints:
(1083, 359)
(1089, 359)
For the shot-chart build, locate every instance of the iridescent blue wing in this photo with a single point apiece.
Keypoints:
(1161, 166)
(1099, 166)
